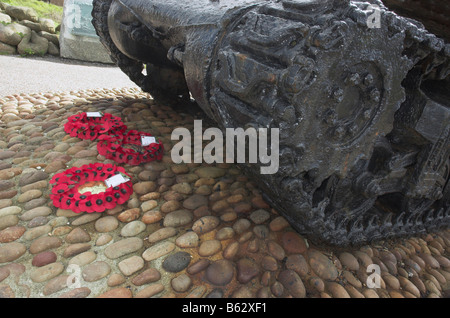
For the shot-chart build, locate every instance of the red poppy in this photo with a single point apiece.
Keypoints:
(129, 149)
(67, 185)
(84, 127)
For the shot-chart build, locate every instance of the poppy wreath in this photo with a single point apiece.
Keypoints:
(67, 185)
(84, 127)
(128, 148)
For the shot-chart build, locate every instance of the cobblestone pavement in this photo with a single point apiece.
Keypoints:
(188, 230)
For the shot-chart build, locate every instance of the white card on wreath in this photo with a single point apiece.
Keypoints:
(147, 140)
(94, 114)
(116, 180)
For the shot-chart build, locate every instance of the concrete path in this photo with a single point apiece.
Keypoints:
(51, 74)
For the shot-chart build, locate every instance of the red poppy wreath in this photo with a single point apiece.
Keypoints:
(90, 125)
(134, 148)
(91, 188)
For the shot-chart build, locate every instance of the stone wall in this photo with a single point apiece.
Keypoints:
(22, 32)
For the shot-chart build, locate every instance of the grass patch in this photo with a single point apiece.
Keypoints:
(43, 9)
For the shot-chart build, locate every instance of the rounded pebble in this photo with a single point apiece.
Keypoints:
(181, 283)
(106, 224)
(44, 258)
(220, 272)
(177, 262)
(95, 271)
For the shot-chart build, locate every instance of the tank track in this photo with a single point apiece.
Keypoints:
(372, 186)
(378, 185)
(152, 82)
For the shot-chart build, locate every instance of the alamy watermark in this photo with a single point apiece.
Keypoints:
(374, 19)
(74, 279)
(235, 138)
(73, 16)
(374, 279)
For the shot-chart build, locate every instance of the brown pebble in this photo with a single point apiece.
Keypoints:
(45, 243)
(209, 248)
(353, 292)
(78, 235)
(148, 205)
(81, 292)
(292, 282)
(95, 271)
(247, 269)
(317, 283)
(148, 276)
(46, 272)
(55, 285)
(4, 273)
(293, 243)
(44, 258)
(231, 250)
(54, 166)
(429, 260)
(417, 282)
(349, 261)
(144, 187)
(439, 277)
(277, 289)
(363, 258)
(106, 224)
(409, 286)
(151, 217)
(298, 263)
(11, 234)
(8, 220)
(391, 281)
(11, 251)
(188, 239)
(6, 292)
(178, 218)
(370, 293)
(276, 250)
(129, 215)
(205, 224)
(351, 279)
(195, 201)
(220, 272)
(119, 292)
(115, 280)
(32, 177)
(86, 218)
(181, 283)
(150, 291)
(170, 206)
(269, 263)
(336, 290)
(198, 266)
(161, 234)
(75, 249)
(322, 265)
(29, 195)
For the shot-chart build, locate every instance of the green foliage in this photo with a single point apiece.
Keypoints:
(30, 52)
(43, 9)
